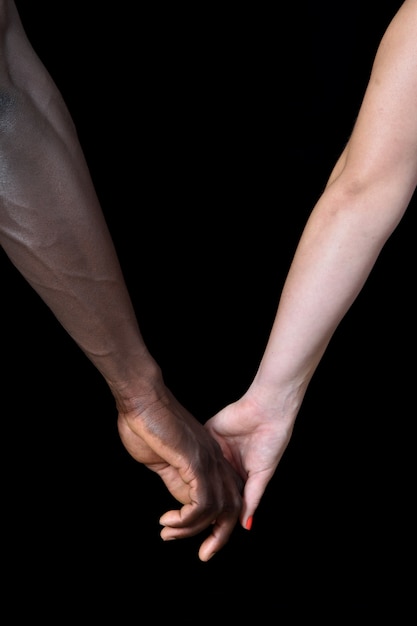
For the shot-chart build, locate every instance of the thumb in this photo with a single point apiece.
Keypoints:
(252, 495)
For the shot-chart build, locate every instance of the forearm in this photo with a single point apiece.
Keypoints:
(335, 255)
(366, 197)
(53, 230)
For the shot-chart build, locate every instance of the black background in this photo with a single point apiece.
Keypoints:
(210, 133)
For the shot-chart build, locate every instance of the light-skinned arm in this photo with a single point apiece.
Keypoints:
(366, 196)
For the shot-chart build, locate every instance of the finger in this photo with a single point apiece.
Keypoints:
(185, 522)
(219, 537)
(189, 514)
(252, 495)
(178, 527)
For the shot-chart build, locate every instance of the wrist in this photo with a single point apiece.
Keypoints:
(139, 388)
(283, 398)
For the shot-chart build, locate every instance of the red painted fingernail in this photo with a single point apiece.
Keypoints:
(249, 522)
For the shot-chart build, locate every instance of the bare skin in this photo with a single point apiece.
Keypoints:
(53, 230)
(366, 196)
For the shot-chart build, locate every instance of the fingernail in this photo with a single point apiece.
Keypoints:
(249, 522)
